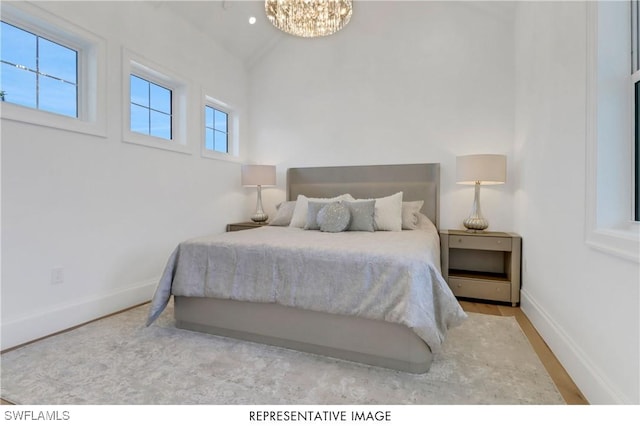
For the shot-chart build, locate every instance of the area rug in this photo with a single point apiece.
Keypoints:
(117, 360)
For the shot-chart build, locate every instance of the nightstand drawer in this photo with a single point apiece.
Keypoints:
(480, 242)
(497, 290)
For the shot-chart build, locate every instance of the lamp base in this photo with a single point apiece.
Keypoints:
(259, 217)
(475, 224)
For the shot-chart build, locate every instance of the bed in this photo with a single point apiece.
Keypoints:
(377, 298)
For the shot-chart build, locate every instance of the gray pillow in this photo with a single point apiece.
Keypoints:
(362, 214)
(284, 214)
(334, 218)
(312, 214)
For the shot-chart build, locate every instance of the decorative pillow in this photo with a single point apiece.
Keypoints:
(313, 208)
(284, 214)
(410, 212)
(388, 213)
(299, 218)
(362, 214)
(334, 217)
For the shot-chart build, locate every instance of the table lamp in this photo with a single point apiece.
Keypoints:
(480, 169)
(258, 175)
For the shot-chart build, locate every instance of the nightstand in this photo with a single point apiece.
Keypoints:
(244, 225)
(483, 265)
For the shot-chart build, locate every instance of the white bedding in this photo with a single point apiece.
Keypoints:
(386, 275)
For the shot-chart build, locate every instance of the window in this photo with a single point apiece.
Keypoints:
(49, 71)
(220, 126)
(38, 73)
(216, 130)
(150, 108)
(154, 106)
(611, 156)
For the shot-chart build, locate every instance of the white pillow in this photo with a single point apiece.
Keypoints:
(284, 214)
(410, 212)
(299, 218)
(388, 213)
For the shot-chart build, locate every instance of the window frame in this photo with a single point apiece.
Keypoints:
(233, 120)
(39, 74)
(635, 104)
(139, 66)
(609, 225)
(91, 66)
(635, 89)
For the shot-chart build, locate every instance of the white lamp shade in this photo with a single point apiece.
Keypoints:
(253, 175)
(482, 168)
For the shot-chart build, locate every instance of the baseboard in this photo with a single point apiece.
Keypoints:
(591, 381)
(26, 329)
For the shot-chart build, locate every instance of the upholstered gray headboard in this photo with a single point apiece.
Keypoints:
(416, 181)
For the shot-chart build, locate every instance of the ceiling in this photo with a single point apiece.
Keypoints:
(227, 22)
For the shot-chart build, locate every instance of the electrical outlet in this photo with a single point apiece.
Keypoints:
(57, 275)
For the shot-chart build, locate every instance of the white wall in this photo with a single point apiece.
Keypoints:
(109, 212)
(403, 82)
(585, 303)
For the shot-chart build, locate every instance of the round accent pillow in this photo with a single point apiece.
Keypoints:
(334, 218)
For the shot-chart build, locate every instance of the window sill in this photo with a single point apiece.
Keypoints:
(214, 155)
(32, 116)
(620, 242)
(153, 142)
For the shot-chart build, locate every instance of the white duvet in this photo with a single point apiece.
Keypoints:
(385, 275)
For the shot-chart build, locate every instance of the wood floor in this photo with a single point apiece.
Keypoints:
(565, 385)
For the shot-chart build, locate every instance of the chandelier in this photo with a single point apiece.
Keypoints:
(308, 18)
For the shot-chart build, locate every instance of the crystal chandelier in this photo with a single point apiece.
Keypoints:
(308, 18)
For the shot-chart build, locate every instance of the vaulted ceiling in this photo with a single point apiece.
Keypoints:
(227, 22)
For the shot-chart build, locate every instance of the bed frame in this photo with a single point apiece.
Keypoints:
(372, 342)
